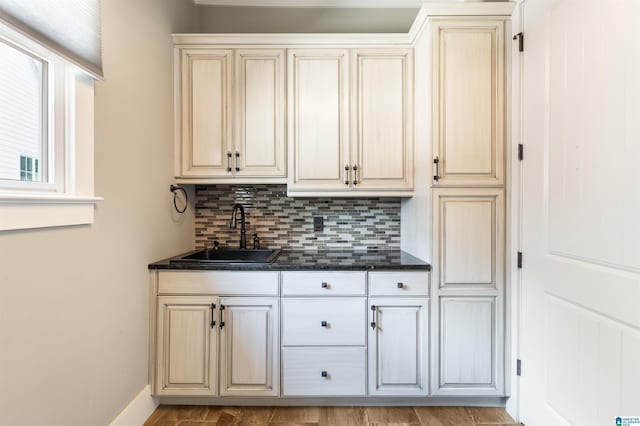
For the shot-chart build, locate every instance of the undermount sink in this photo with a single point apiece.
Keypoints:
(230, 256)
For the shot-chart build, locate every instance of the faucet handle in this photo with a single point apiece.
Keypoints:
(256, 241)
(216, 245)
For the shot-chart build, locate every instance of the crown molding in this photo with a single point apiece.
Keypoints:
(292, 39)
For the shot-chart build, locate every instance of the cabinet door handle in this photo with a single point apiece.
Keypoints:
(228, 161)
(221, 316)
(355, 175)
(323, 324)
(347, 175)
(373, 317)
(436, 161)
(400, 285)
(325, 285)
(237, 159)
(324, 374)
(213, 322)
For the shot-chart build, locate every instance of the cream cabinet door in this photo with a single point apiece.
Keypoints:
(259, 97)
(382, 117)
(471, 349)
(318, 126)
(469, 235)
(206, 76)
(187, 349)
(398, 346)
(249, 346)
(468, 102)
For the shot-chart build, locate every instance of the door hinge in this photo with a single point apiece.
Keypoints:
(520, 152)
(520, 38)
(518, 367)
(519, 260)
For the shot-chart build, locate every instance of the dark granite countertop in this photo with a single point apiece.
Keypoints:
(308, 260)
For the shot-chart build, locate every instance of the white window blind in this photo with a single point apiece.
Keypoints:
(69, 27)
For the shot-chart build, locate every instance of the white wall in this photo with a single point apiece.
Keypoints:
(224, 19)
(73, 301)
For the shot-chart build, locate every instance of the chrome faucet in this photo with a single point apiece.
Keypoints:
(243, 224)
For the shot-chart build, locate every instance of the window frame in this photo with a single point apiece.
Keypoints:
(68, 196)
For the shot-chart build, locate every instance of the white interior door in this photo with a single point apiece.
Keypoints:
(580, 324)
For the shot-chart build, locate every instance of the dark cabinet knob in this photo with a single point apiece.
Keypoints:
(400, 285)
(325, 285)
(323, 323)
(324, 374)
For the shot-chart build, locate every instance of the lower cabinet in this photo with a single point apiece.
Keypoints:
(195, 332)
(187, 353)
(398, 346)
(468, 298)
(470, 359)
(324, 339)
(340, 336)
(249, 346)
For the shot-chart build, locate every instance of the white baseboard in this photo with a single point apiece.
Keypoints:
(138, 410)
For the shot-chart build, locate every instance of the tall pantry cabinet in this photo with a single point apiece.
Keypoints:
(468, 187)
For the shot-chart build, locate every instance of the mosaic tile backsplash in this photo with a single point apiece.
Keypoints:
(286, 222)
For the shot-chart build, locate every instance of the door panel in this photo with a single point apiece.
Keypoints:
(580, 280)
(468, 109)
(249, 346)
(382, 139)
(398, 347)
(187, 346)
(206, 133)
(260, 117)
(469, 245)
(470, 357)
(318, 119)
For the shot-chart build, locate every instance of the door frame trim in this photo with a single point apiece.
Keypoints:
(513, 291)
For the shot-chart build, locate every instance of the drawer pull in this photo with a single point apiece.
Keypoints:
(324, 374)
(373, 317)
(323, 323)
(400, 285)
(325, 285)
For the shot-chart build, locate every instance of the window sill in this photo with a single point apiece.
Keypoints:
(44, 211)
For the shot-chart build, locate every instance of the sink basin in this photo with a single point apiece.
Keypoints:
(230, 256)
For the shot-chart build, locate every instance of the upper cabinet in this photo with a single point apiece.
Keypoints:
(350, 121)
(382, 131)
(468, 102)
(326, 121)
(259, 96)
(231, 115)
(206, 124)
(318, 128)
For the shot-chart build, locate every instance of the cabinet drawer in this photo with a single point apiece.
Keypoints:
(344, 322)
(222, 283)
(323, 371)
(398, 283)
(323, 283)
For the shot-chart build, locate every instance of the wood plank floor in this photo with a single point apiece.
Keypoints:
(189, 415)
